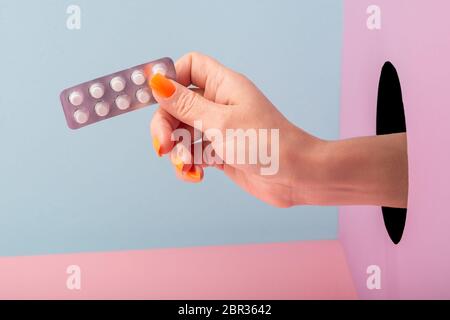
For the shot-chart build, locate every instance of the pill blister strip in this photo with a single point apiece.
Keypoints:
(112, 95)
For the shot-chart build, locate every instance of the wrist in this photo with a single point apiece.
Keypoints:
(326, 173)
(358, 171)
(308, 165)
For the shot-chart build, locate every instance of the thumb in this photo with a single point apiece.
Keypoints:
(185, 104)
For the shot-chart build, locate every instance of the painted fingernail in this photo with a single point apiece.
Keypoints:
(161, 85)
(178, 163)
(157, 146)
(194, 174)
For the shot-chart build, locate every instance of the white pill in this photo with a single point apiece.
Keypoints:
(81, 116)
(97, 90)
(143, 95)
(138, 77)
(102, 108)
(76, 98)
(159, 68)
(117, 84)
(123, 102)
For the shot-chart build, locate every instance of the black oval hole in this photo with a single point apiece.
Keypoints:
(391, 119)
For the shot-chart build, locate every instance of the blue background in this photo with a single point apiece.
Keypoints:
(102, 187)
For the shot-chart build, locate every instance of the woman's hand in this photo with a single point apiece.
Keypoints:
(244, 135)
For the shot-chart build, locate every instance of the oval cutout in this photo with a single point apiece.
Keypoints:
(391, 119)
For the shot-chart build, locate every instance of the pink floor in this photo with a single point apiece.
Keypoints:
(294, 270)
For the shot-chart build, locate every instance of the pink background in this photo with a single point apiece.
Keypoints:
(415, 37)
(295, 270)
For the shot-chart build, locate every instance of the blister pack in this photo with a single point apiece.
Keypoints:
(112, 95)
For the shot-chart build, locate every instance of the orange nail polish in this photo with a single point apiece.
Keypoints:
(157, 146)
(178, 163)
(161, 85)
(194, 174)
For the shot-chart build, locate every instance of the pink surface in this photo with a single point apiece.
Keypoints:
(295, 270)
(415, 37)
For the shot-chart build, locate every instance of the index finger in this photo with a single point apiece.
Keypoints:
(195, 69)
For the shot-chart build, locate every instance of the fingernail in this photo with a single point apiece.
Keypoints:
(161, 85)
(157, 146)
(194, 174)
(178, 163)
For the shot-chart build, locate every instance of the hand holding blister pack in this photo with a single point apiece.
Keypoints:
(112, 95)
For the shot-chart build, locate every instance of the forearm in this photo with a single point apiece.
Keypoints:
(361, 171)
